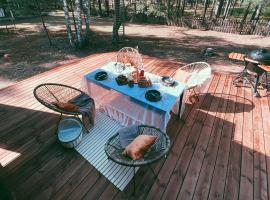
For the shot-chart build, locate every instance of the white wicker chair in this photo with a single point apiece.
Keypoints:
(193, 75)
(129, 55)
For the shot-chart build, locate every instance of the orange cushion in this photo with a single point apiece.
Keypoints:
(67, 106)
(139, 145)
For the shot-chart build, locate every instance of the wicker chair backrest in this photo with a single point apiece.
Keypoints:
(49, 93)
(131, 56)
(199, 72)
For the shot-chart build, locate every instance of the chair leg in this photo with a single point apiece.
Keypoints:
(85, 129)
(242, 74)
(195, 95)
(134, 177)
(255, 91)
(153, 172)
(59, 122)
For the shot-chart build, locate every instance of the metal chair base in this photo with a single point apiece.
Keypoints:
(134, 178)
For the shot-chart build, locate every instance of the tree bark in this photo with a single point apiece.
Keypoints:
(178, 8)
(86, 6)
(244, 18)
(213, 8)
(205, 9)
(227, 7)
(233, 5)
(254, 13)
(71, 3)
(43, 23)
(99, 8)
(107, 6)
(256, 17)
(78, 21)
(183, 7)
(195, 9)
(117, 23)
(169, 8)
(67, 22)
(219, 8)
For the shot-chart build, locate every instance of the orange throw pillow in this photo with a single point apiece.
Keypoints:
(139, 145)
(67, 106)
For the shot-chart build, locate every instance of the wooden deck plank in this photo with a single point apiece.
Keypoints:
(234, 171)
(219, 176)
(209, 159)
(247, 165)
(265, 109)
(181, 167)
(260, 174)
(194, 169)
(164, 174)
(205, 177)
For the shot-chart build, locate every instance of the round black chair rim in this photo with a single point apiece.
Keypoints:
(136, 163)
(54, 107)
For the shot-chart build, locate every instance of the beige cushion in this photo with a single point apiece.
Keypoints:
(139, 145)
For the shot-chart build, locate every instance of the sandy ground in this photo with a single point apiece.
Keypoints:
(31, 53)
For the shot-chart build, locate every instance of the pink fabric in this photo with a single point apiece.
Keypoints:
(124, 109)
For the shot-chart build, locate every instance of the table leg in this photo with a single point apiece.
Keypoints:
(180, 105)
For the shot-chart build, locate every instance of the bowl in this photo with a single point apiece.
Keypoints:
(153, 95)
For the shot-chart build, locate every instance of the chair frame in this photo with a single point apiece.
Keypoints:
(191, 67)
(141, 162)
(55, 108)
(133, 54)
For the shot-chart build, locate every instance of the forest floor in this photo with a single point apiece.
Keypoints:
(31, 53)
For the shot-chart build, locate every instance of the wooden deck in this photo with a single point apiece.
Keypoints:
(222, 151)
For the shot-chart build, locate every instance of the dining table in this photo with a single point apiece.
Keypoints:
(129, 105)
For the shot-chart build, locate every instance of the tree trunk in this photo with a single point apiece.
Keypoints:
(195, 9)
(227, 7)
(219, 8)
(117, 22)
(205, 9)
(107, 6)
(213, 8)
(256, 17)
(71, 3)
(244, 18)
(233, 5)
(169, 8)
(67, 22)
(43, 23)
(183, 7)
(78, 21)
(135, 11)
(94, 6)
(254, 13)
(99, 8)
(86, 6)
(178, 8)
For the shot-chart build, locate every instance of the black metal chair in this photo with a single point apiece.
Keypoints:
(159, 150)
(49, 93)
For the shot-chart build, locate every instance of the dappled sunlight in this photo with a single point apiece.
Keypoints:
(11, 156)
